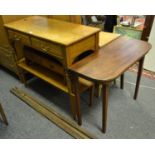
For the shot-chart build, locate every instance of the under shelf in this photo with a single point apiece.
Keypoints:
(44, 74)
(52, 78)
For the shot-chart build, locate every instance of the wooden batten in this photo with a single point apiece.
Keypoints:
(64, 123)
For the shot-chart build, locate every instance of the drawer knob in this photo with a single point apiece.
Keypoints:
(45, 48)
(17, 38)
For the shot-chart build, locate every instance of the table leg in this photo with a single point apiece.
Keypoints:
(77, 96)
(98, 88)
(91, 95)
(71, 94)
(140, 69)
(3, 115)
(72, 105)
(122, 81)
(22, 76)
(105, 87)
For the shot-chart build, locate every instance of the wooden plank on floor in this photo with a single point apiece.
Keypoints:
(67, 125)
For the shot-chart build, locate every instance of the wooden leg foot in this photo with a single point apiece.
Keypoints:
(104, 107)
(91, 96)
(22, 76)
(140, 69)
(72, 106)
(77, 95)
(122, 81)
(98, 88)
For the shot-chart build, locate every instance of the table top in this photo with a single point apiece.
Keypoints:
(58, 31)
(106, 37)
(111, 60)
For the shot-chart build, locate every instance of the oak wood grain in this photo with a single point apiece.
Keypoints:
(57, 31)
(106, 38)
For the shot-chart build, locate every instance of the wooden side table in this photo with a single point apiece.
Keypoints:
(64, 42)
(111, 62)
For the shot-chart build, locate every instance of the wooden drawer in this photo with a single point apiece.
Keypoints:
(42, 59)
(47, 47)
(13, 35)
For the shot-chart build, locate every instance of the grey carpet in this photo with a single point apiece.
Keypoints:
(127, 118)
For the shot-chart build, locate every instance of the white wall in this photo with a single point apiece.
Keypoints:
(149, 62)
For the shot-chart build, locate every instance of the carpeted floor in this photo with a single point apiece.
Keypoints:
(146, 73)
(127, 118)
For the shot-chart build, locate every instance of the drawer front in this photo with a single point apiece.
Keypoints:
(13, 35)
(46, 61)
(47, 47)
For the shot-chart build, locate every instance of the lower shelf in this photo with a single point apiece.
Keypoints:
(46, 75)
(52, 78)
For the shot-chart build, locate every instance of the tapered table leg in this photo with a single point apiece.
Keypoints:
(91, 95)
(72, 105)
(105, 87)
(3, 115)
(77, 96)
(140, 69)
(122, 81)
